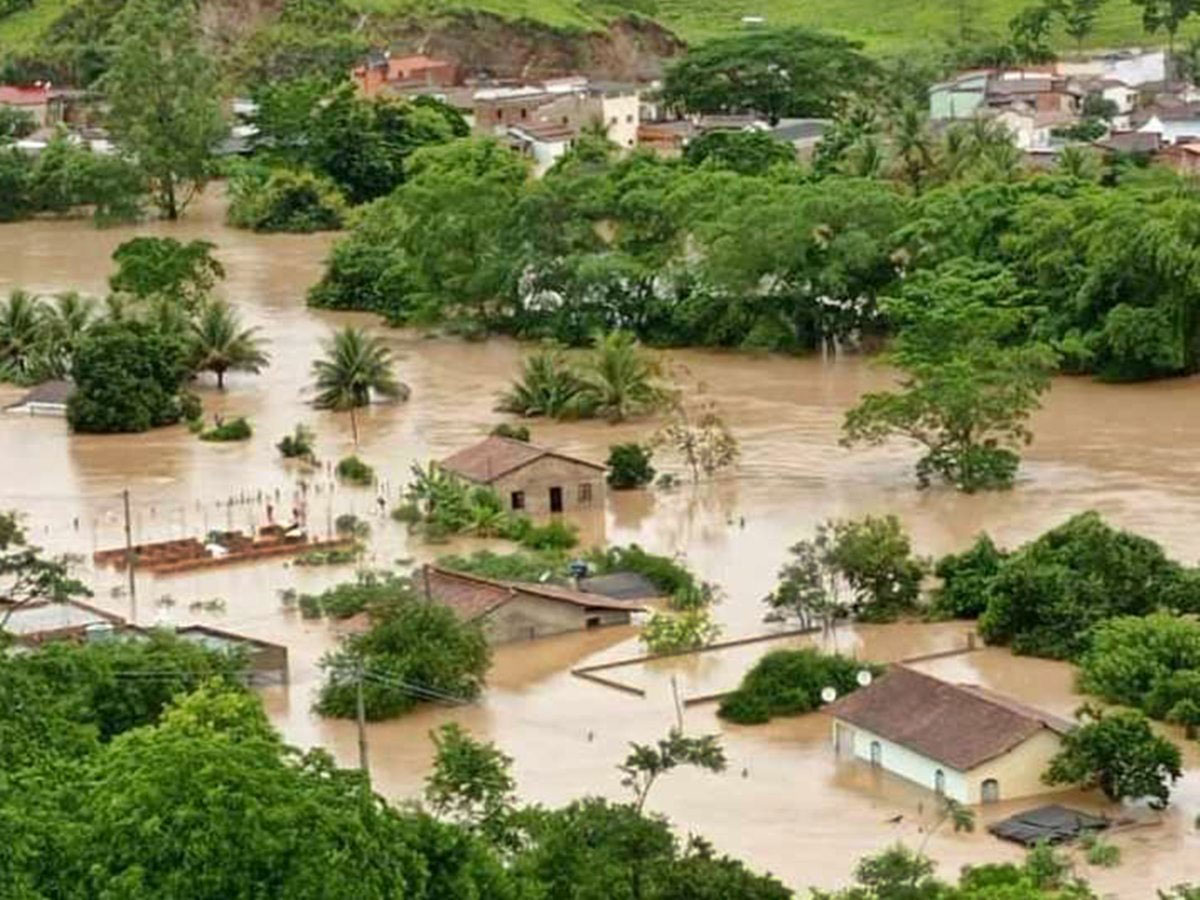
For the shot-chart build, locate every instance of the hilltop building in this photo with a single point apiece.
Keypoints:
(529, 478)
(960, 741)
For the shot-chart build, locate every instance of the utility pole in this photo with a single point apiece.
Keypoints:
(360, 715)
(129, 560)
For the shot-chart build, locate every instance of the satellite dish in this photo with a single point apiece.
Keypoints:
(863, 678)
(828, 695)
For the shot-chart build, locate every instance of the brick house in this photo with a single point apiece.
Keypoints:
(381, 70)
(39, 101)
(518, 611)
(528, 478)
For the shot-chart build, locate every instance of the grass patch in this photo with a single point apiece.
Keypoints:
(234, 430)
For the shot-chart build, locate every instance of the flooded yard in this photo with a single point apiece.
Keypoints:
(785, 804)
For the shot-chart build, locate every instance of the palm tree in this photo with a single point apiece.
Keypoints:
(20, 333)
(1079, 163)
(547, 387)
(220, 344)
(64, 324)
(355, 366)
(619, 380)
(913, 146)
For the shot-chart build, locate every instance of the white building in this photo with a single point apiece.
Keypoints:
(960, 741)
(1132, 67)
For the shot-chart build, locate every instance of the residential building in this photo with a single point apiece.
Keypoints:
(1174, 123)
(544, 143)
(1130, 143)
(47, 399)
(38, 623)
(959, 97)
(1132, 67)
(40, 101)
(528, 478)
(381, 70)
(1184, 158)
(960, 741)
(517, 611)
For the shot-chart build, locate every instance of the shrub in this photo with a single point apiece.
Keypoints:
(679, 632)
(284, 200)
(555, 535)
(789, 682)
(1101, 853)
(669, 577)
(509, 566)
(234, 430)
(407, 513)
(298, 444)
(1150, 662)
(355, 471)
(629, 466)
(512, 432)
(348, 525)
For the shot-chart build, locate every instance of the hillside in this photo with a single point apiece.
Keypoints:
(885, 26)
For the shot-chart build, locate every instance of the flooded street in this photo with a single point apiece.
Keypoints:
(784, 805)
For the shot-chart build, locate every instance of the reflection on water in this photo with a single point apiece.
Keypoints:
(785, 804)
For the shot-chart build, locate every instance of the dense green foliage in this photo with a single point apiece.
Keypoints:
(679, 631)
(360, 146)
(1119, 753)
(629, 466)
(784, 72)
(355, 471)
(789, 682)
(965, 579)
(355, 368)
(519, 566)
(129, 376)
(744, 152)
(264, 199)
(219, 344)
(1151, 663)
(671, 577)
(1047, 595)
(300, 444)
(412, 648)
(868, 559)
(65, 179)
(152, 267)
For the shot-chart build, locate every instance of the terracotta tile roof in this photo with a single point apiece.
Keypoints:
(497, 456)
(961, 726)
(472, 596)
(11, 95)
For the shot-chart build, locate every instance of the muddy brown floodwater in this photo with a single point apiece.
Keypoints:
(784, 805)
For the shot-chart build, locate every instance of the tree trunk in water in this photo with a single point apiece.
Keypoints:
(172, 206)
(354, 427)
(220, 379)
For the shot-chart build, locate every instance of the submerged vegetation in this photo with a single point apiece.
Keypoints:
(790, 682)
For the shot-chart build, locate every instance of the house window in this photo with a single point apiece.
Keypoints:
(566, 120)
(585, 493)
(523, 112)
(499, 115)
(876, 753)
(939, 782)
(612, 121)
(518, 499)
(629, 119)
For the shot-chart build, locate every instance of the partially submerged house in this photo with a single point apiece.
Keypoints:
(960, 741)
(266, 662)
(529, 478)
(517, 611)
(47, 399)
(45, 621)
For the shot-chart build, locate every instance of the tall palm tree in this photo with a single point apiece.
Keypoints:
(913, 145)
(619, 380)
(355, 366)
(1080, 163)
(20, 333)
(219, 343)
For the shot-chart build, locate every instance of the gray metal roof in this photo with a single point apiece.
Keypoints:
(1052, 824)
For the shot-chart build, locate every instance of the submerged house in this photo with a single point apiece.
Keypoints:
(529, 478)
(961, 741)
(516, 611)
(47, 399)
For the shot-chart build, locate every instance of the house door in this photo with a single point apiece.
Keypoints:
(843, 740)
(989, 791)
(556, 495)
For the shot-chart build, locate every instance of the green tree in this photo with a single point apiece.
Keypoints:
(163, 97)
(413, 651)
(15, 123)
(744, 152)
(471, 784)
(1138, 660)
(646, 763)
(1167, 15)
(291, 200)
(149, 267)
(219, 344)
(65, 323)
(1118, 753)
(547, 386)
(913, 146)
(26, 576)
(1029, 32)
(966, 578)
(20, 336)
(129, 376)
(967, 389)
(1048, 595)
(1079, 18)
(354, 368)
(780, 72)
(629, 466)
(679, 631)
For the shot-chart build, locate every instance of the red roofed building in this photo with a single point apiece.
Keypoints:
(418, 70)
(38, 100)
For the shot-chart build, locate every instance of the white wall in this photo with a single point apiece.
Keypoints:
(622, 115)
(907, 764)
(1173, 130)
